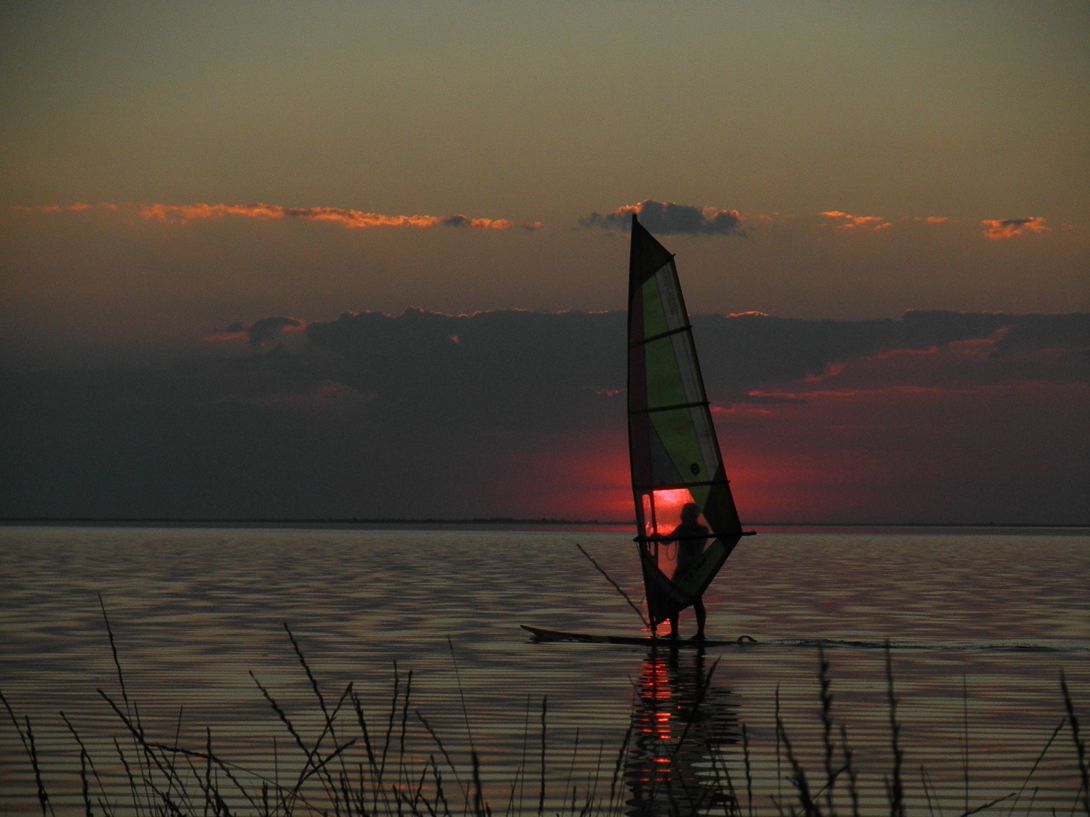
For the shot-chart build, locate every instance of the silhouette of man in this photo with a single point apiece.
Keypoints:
(691, 537)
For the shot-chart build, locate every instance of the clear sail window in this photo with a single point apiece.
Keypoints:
(676, 531)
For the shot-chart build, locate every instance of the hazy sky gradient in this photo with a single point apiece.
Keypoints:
(870, 159)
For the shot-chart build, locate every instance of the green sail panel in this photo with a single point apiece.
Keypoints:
(686, 521)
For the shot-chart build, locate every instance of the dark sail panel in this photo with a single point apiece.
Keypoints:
(686, 521)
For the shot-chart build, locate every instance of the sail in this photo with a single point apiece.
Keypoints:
(674, 454)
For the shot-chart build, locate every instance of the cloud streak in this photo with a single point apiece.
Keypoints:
(348, 218)
(660, 217)
(259, 332)
(670, 218)
(1007, 228)
(75, 207)
(849, 223)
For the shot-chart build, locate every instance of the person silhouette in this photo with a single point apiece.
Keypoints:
(691, 536)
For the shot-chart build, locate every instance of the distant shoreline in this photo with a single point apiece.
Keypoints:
(300, 521)
(489, 521)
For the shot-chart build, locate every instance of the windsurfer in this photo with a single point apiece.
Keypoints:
(691, 536)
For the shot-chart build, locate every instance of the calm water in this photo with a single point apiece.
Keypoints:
(195, 611)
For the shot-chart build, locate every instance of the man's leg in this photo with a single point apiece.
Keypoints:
(701, 617)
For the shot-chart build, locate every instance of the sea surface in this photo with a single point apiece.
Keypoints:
(424, 626)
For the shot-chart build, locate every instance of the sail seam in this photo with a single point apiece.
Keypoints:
(667, 486)
(644, 341)
(673, 407)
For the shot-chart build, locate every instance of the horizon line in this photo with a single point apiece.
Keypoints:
(479, 520)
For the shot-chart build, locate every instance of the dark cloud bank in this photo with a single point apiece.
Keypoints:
(670, 218)
(428, 415)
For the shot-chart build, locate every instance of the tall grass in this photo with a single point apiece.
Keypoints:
(355, 764)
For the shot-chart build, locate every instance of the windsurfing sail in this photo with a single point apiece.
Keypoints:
(687, 524)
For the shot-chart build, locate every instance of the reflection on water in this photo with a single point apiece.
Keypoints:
(682, 720)
(194, 611)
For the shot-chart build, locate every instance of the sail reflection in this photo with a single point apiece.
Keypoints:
(682, 721)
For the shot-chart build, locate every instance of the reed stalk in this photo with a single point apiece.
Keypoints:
(440, 796)
(133, 791)
(827, 728)
(896, 786)
(749, 773)
(617, 774)
(928, 790)
(401, 771)
(172, 765)
(965, 734)
(541, 795)
(779, 765)
(853, 781)
(1037, 763)
(519, 782)
(571, 768)
(133, 713)
(479, 807)
(798, 773)
(446, 755)
(85, 789)
(1080, 747)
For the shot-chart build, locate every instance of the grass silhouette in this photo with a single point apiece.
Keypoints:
(356, 765)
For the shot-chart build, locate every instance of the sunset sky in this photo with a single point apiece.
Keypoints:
(368, 259)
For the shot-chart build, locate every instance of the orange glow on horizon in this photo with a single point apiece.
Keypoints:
(866, 445)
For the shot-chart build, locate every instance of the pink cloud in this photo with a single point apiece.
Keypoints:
(740, 410)
(227, 336)
(971, 364)
(185, 213)
(1002, 229)
(848, 223)
(953, 365)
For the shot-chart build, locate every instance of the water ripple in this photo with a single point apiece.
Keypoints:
(195, 611)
